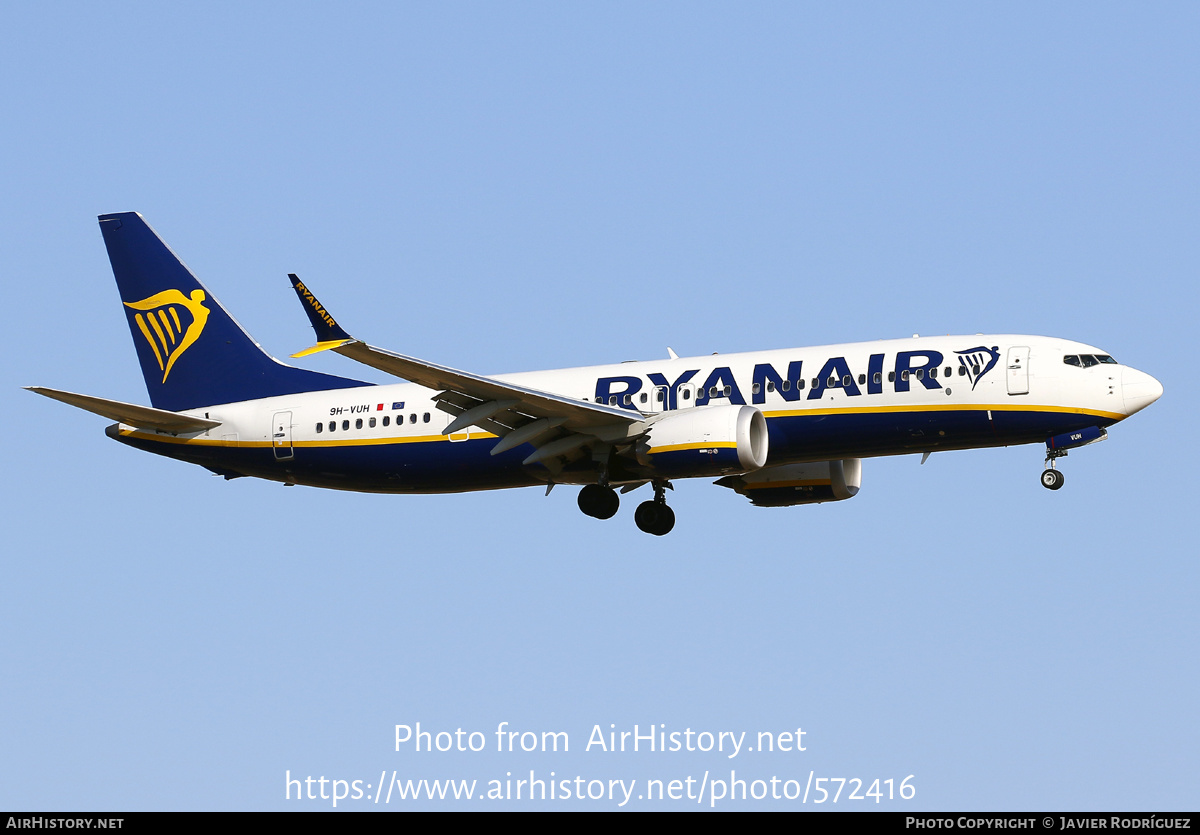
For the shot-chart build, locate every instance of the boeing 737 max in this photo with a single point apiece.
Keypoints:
(785, 427)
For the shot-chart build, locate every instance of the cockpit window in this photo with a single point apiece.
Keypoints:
(1088, 360)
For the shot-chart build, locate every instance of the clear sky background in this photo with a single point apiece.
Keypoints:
(506, 187)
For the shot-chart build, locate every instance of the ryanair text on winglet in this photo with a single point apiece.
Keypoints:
(316, 305)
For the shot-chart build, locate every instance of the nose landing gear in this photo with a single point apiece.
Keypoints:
(1052, 479)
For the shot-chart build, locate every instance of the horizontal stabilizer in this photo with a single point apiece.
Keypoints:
(142, 417)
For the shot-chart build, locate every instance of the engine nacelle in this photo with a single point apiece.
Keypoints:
(705, 440)
(792, 484)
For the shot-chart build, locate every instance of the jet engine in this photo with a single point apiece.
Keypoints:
(706, 440)
(792, 484)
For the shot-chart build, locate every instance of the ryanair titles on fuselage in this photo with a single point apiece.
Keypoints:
(924, 367)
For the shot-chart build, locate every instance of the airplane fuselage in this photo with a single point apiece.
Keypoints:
(857, 400)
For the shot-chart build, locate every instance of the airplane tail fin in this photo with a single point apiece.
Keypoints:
(192, 352)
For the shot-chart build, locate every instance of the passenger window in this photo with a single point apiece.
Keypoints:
(787, 385)
(862, 379)
(612, 400)
(933, 373)
(728, 390)
(660, 394)
(371, 423)
(645, 397)
(358, 423)
(904, 374)
(770, 385)
(332, 425)
(891, 376)
(878, 378)
(920, 373)
(800, 384)
(628, 401)
(962, 371)
(320, 428)
(425, 418)
(345, 425)
(816, 382)
(831, 382)
(412, 418)
(687, 394)
(847, 381)
(949, 372)
(386, 420)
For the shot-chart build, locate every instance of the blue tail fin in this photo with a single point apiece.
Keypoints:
(192, 352)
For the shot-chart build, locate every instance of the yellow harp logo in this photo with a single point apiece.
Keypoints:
(167, 334)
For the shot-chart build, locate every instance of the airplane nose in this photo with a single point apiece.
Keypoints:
(1139, 390)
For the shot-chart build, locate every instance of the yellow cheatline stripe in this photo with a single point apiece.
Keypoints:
(162, 314)
(175, 316)
(146, 332)
(320, 346)
(956, 407)
(682, 447)
(415, 439)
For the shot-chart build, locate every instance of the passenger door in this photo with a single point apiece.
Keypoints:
(1018, 370)
(281, 435)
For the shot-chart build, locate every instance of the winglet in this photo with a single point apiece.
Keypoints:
(329, 332)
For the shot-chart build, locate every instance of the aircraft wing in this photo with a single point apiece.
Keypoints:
(143, 417)
(555, 425)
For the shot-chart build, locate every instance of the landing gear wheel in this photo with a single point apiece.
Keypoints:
(599, 502)
(654, 518)
(1052, 479)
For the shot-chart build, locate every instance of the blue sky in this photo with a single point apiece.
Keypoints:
(504, 188)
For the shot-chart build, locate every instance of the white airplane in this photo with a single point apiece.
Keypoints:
(785, 427)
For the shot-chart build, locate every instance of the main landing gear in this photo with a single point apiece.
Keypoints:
(599, 501)
(654, 517)
(1052, 479)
